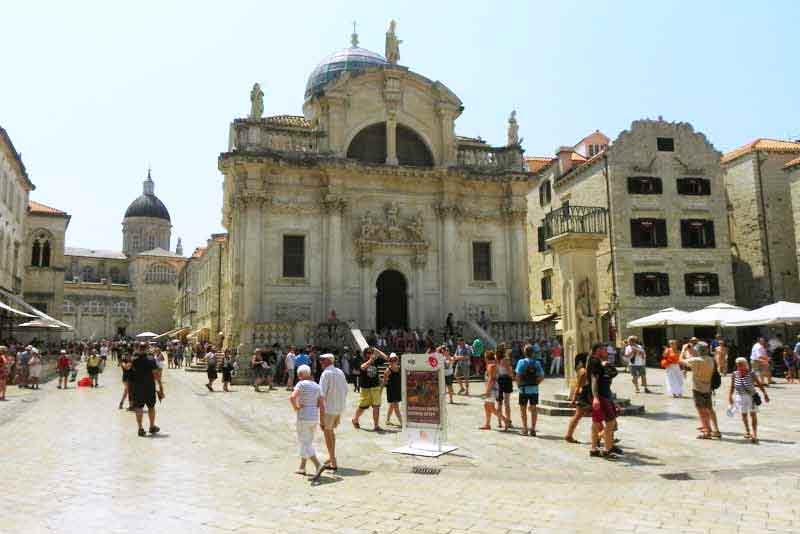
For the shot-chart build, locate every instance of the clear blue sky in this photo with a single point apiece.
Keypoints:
(93, 92)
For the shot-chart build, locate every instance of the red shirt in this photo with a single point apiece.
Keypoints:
(63, 362)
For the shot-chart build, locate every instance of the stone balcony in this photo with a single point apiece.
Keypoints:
(283, 133)
(483, 157)
(589, 220)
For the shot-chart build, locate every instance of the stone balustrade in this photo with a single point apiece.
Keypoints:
(289, 134)
(485, 157)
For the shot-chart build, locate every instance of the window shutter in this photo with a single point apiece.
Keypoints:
(714, 278)
(706, 186)
(663, 282)
(661, 232)
(658, 186)
(637, 284)
(632, 185)
(685, 234)
(688, 280)
(540, 238)
(709, 229)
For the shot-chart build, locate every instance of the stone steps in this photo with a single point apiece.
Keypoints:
(559, 406)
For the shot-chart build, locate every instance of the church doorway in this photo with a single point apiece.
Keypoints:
(391, 305)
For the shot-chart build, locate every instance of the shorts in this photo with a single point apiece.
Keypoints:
(605, 412)
(702, 400)
(331, 421)
(63, 372)
(448, 380)
(525, 398)
(462, 368)
(638, 371)
(369, 397)
(139, 404)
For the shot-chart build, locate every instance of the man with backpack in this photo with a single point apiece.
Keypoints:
(705, 379)
(529, 374)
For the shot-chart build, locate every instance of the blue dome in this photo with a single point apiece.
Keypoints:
(147, 206)
(348, 59)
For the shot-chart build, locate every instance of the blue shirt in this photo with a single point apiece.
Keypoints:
(520, 370)
(302, 359)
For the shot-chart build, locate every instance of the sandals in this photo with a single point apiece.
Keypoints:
(484, 427)
(142, 433)
(716, 434)
(571, 440)
(704, 436)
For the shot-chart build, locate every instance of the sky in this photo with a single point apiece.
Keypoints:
(94, 93)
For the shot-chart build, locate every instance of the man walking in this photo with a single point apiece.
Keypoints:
(333, 384)
(145, 375)
(63, 364)
(370, 395)
(529, 374)
(290, 357)
(759, 361)
(638, 363)
(702, 366)
(604, 413)
(463, 358)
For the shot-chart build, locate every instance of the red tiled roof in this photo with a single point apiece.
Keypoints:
(41, 209)
(776, 146)
(537, 163)
(199, 252)
(793, 163)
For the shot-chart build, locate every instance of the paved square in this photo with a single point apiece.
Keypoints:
(72, 463)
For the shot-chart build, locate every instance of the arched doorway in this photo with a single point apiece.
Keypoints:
(391, 303)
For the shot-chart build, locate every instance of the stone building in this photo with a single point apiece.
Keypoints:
(202, 285)
(639, 226)
(370, 205)
(15, 187)
(792, 169)
(109, 293)
(763, 230)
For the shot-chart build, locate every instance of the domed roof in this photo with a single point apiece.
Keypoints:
(148, 204)
(353, 58)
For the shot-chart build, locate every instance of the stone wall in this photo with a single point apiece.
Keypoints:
(793, 175)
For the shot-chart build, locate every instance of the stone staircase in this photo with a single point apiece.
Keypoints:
(559, 406)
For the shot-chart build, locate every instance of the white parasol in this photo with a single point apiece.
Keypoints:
(718, 315)
(780, 313)
(665, 317)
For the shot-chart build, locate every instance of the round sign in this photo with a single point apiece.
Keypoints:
(433, 361)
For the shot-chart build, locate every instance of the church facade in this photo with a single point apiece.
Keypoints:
(369, 207)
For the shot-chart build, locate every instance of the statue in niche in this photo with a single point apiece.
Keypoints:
(392, 44)
(368, 227)
(513, 129)
(416, 228)
(256, 102)
(391, 215)
(584, 300)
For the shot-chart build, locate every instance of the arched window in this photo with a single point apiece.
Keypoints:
(160, 273)
(35, 253)
(369, 146)
(46, 254)
(135, 242)
(151, 241)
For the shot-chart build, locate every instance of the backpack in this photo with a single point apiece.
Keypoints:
(530, 376)
(716, 379)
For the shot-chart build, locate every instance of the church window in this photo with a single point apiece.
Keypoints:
(40, 251)
(160, 273)
(369, 146)
(151, 241)
(36, 253)
(135, 242)
(46, 254)
(294, 256)
(481, 261)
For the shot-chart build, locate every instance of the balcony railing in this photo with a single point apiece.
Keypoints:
(485, 157)
(575, 220)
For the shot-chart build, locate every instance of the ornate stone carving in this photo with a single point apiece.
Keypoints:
(448, 209)
(392, 44)
(334, 203)
(392, 234)
(256, 102)
(287, 312)
(513, 130)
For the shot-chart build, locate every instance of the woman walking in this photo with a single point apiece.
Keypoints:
(790, 361)
(391, 377)
(743, 398)
(4, 364)
(227, 372)
(505, 386)
(127, 374)
(93, 367)
(258, 369)
(581, 397)
(721, 356)
(448, 370)
(35, 369)
(63, 366)
(307, 402)
(673, 377)
(211, 368)
(491, 392)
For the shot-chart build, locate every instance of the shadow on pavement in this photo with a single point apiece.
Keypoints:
(664, 416)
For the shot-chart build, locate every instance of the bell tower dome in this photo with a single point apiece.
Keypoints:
(146, 224)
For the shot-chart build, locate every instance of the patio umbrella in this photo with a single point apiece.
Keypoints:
(39, 323)
(665, 317)
(147, 334)
(715, 315)
(781, 313)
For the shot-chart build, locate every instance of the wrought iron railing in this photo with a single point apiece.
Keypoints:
(575, 220)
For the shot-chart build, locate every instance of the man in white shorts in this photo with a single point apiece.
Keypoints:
(333, 384)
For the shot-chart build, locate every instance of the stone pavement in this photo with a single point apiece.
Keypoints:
(73, 463)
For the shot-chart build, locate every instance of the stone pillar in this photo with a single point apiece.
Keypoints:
(447, 279)
(391, 138)
(335, 258)
(518, 284)
(576, 255)
(419, 290)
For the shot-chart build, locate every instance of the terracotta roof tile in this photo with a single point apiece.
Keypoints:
(39, 208)
(537, 163)
(199, 252)
(793, 163)
(776, 146)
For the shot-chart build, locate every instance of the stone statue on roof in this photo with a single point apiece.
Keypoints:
(256, 102)
(392, 44)
(513, 129)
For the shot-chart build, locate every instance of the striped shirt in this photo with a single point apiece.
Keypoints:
(310, 392)
(743, 384)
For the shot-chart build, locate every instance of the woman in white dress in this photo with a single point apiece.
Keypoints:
(742, 397)
(673, 375)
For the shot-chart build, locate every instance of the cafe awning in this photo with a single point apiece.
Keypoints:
(198, 332)
(14, 310)
(39, 323)
(175, 332)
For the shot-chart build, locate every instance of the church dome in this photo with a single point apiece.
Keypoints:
(351, 59)
(148, 204)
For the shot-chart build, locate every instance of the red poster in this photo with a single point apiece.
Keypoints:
(422, 397)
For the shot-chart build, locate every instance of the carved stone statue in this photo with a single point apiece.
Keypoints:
(367, 226)
(256, 102)
(391, 215)
(513, 129)
(392, 44)
(584, 300)
(416, 228)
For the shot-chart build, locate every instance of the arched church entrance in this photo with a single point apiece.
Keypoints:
(391, 306)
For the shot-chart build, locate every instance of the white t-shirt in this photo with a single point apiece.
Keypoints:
(334, 388)
(758, 352)
(310, 392)
(635, 354)
(290, 360)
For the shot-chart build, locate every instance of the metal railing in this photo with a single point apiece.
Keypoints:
(576, 220)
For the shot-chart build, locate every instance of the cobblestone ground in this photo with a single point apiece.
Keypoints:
(73, 463)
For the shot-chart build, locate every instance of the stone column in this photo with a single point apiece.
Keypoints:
(334, 273)
(418, 262)
(576, 255)
(518, 261)
(447, 274)
(391, 138)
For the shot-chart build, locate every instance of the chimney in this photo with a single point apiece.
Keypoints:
(564, 154)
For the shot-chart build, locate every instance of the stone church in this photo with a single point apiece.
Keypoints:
(369, 206)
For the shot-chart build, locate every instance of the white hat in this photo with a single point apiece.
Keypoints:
(327, 356)
(392, 355)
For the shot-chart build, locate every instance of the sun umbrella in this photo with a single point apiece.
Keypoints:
(39, 323)
(147, 334)
(715, 315)
(665, 317)
(780, 313)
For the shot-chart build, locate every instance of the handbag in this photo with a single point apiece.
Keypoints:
(756, 399)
